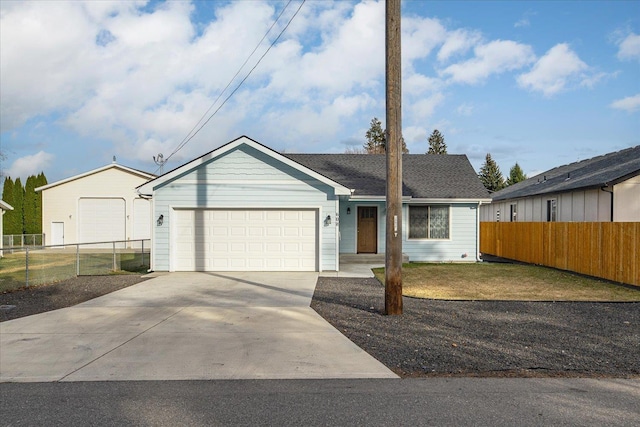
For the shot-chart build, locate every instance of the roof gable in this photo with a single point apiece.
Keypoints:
(125, 169)
(600, 171)
(187, 168)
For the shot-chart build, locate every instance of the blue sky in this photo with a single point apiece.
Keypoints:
(539, 83)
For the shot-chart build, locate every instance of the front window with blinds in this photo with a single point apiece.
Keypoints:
(429, 222)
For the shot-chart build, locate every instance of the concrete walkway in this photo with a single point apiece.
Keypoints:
(186, 326)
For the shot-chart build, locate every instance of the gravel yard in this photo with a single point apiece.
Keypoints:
(484, 338)
(61, 294)
(433, 337)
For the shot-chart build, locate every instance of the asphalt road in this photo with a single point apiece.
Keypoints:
(431, 401)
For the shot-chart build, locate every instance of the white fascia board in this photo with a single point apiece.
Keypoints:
(148, 187)
(374, 198)
(94, 171)
(5, 206)
(409, 199)
(478, 201)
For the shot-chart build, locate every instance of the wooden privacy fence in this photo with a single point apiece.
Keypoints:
(610, 250)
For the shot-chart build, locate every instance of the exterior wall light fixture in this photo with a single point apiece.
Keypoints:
(160, 220)
(348, 211)
(327, 220)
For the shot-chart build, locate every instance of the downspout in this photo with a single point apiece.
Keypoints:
(606, 185)
(337, 246)
(152, 252)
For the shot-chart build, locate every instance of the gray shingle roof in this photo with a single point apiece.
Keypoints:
(591, 173)
(438, 176)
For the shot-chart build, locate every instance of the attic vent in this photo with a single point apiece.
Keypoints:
(568, 176)
(544, 179)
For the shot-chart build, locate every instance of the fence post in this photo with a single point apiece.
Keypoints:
(142, 255)
(77, 260)
(114, 256)
(26, 270)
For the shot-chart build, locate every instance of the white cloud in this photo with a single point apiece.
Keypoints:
(424, 108)
(629, 104)
(458, 42)
(524, 22)
(465, 109)
(350, 57)
(25, 166)
(629, 47)
(494, 57)
(417, 84)
(553, 71)
(420, 36)
(132, 78)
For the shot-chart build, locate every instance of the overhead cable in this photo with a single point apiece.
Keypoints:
(193, 133)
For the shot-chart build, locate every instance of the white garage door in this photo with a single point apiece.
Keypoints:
(245, 240)
(101, 220)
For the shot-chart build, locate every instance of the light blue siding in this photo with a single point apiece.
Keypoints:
(244, 178)
(462, 241)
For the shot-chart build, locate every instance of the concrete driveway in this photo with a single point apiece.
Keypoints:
(183, 326)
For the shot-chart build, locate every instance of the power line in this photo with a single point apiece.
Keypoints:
(233, 78)
(193, 133)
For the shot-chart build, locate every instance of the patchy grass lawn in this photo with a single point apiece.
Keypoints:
(504, 282)
(50, 266)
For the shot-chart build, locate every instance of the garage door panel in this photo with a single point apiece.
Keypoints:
(101, 219)
(273, 247)
(238, 231)
(256, 231)
(256, 216)
(219, 231)
(254, 240)
(274, 231)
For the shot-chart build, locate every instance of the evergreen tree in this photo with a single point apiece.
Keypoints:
(490, 175)
(41, 180)
(18, 206)
(436, 143)
(31, 214)
(516, 175)
(377, 139)
(9, 219)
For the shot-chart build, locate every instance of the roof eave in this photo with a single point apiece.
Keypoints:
(94, 171)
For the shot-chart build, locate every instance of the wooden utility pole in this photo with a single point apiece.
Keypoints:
(393, 252)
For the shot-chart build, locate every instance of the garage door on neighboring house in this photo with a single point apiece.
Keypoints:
(101, 220)
(245, 240)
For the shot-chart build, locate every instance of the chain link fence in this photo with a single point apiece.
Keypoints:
(22, 240)
(37, 265)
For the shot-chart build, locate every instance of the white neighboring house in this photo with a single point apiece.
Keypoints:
(101, 205)
(601, 189)
(3, 207)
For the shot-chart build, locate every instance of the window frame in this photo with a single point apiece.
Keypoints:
(428, 206)
(552, 210)
(513, 212)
